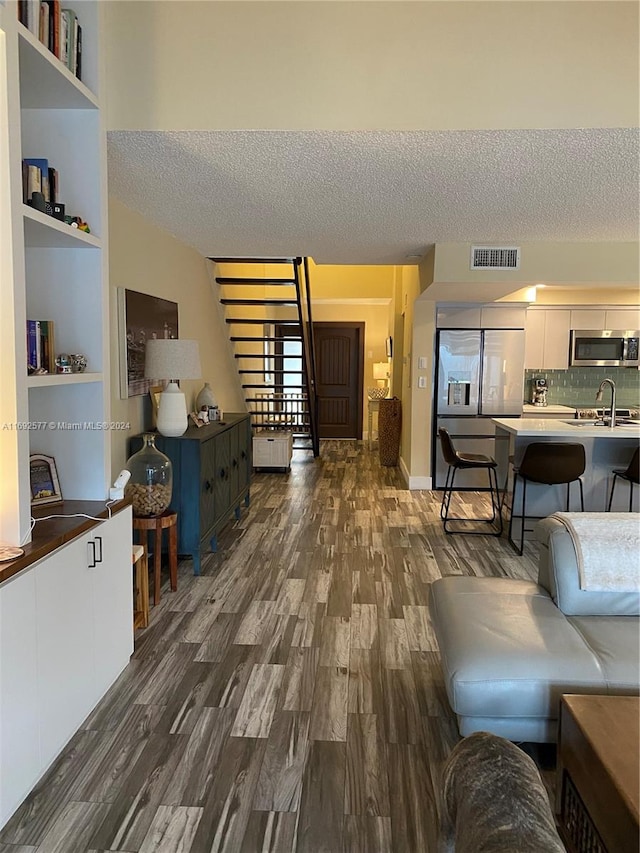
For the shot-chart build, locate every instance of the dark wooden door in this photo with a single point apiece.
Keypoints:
(339, 359)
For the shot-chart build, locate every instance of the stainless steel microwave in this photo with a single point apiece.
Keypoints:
(595, 348)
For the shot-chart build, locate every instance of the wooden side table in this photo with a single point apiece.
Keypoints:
(598, 771)
(141, 596)
(167, 521)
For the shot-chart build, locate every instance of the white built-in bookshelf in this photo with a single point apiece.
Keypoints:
(50, 270)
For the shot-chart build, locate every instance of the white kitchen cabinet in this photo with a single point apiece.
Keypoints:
(547, 339)
(588, 319)
(556, 339)
(458, 317)
(623, 318)
(66, 633)
(534, 340)
(19, 742)
(503, 316)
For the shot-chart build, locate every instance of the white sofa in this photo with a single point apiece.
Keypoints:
(510, 648)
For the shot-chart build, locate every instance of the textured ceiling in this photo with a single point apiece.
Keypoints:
(377, 197)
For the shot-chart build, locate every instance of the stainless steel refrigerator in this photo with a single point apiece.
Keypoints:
(480, 375)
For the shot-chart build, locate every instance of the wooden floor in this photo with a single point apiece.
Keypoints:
(290, 698)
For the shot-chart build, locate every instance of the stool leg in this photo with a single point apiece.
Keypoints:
(630, 495)
(613, 485)
(157, 565)
(524, 504)
(497, 505)
(513, 508)
(444, 492)
(581, 494)
(173, 557)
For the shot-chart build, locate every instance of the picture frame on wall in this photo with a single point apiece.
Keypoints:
(141, 317)
(44, 482)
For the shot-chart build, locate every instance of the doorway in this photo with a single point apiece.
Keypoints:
(339, 350)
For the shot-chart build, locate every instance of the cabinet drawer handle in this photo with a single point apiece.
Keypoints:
(99, 541)
(235, 463)
(243, 455)
(207, 485)
(222, 473)
(91, 554)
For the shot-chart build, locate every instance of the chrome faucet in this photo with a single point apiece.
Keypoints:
(612, 384)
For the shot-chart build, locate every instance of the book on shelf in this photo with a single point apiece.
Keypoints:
(69, 39)
(29, 15)
(57, 28)
(37, 178)
(40, 346)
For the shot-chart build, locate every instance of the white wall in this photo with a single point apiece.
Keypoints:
(146, 259)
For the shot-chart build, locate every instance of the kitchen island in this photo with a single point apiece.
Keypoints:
(605, 449)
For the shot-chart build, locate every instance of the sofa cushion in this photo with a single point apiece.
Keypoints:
(615, 640)
(507, 651)
(558, 573)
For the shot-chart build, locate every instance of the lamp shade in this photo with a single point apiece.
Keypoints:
(380, 370)
(172, 358)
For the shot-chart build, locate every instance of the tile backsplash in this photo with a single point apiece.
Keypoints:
(577, 386)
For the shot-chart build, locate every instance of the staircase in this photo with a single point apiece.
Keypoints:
(270, 327)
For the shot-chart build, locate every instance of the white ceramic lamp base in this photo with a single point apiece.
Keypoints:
(172, 412)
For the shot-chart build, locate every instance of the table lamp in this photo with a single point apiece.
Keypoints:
(172, 359)
(381, 373)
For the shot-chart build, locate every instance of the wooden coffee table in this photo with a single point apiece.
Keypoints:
(598, 773)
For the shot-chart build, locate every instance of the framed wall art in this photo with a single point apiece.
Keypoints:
(141, 317)
(45, 486)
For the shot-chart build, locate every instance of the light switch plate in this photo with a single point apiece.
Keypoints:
(422, 381)
(422, 363)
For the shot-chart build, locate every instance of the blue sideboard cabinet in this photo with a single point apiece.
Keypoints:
(211, 479)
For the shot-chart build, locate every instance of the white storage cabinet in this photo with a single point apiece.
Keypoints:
(272, 450)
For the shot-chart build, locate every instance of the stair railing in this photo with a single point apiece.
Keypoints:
(303, 292)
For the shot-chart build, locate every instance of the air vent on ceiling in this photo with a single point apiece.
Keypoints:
(495, 258)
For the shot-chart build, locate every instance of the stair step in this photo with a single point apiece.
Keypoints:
(248, 338)
(261, 322)
(260, 370)
(296, 399)
(222, 279)
(256, 260)
(261, 355)
(268, 388)
(265, 302)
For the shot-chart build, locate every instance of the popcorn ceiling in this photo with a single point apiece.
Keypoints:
(376, 197)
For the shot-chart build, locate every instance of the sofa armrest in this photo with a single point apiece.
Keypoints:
(558, 574)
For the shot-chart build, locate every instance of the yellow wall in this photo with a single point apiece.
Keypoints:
(144, 258)
(181, 65)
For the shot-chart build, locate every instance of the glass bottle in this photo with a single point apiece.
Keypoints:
(151, 479)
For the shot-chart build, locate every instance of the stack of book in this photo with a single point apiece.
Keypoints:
(58, 29)
(38, 176)
(40, 349)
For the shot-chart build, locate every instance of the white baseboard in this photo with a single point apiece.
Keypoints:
(414, 483)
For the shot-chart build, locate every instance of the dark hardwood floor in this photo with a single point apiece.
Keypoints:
(290, 698)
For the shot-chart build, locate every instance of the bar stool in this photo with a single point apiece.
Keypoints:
(631, 473)
(465, 461)
(552, 463)
(157, 524)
